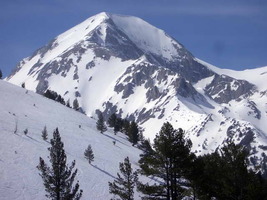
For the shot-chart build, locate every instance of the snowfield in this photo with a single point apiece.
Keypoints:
(20, 153)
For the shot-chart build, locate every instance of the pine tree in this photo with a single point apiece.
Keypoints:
(100, 124)
(168, 161)
(116, 128)
(59, 178)
(88, 154)
(44, 134)
(123, 185)
(146, 147)
(76, 105)
(68, 103)
(235, 165)
(125, 126)
(133, 133)
(1, 74)
(119, 124)
(60, 99)
(112, 120)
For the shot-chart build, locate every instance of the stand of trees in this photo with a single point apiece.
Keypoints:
(57, 97)
(223, 174)
(123, 125)
(54, 96)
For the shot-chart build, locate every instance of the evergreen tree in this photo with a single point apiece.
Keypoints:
(195, 173)
(235, 164)
(133, 133)
(125, 126)
(68, 103)
(147, 149)
(123, 185)
(60, 99)
(44, 134)
(23, 85)
(58, 179)
(141, 136)
(76, 105)
(88, 154)
(100, 124)
(168, 161)
(112, 120)
(1, 75)
(119, 124)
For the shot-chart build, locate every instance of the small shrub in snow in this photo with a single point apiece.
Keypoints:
(25, 131)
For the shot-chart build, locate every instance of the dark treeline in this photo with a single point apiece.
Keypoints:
(54, 96)
(57, 97)
(176, 172)
(130, 128)
(223, 174)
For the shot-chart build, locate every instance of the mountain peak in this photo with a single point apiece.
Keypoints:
(144, 35)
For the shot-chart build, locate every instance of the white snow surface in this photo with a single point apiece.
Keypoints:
(257, 76)
(153, 39)
(20, 153)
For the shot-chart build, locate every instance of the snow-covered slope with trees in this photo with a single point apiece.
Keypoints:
(20, 153)
(122, 64)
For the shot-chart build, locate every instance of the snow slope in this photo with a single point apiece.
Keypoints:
(153, 39)
(20, 153)
(257, 76)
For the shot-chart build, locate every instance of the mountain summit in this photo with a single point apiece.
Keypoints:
(121, 64)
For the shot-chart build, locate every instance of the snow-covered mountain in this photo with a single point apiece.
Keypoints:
(20, 153)
(122, 64)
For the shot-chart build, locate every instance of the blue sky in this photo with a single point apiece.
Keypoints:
(228, 34)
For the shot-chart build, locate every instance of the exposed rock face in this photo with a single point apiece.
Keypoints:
(255, 112)
(223, 89)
